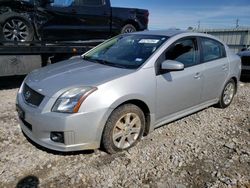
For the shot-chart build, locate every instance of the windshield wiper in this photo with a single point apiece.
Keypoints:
(100, 61)
(115, 64)
(104, 62)
(93, 60)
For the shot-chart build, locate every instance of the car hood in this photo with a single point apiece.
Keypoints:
(75, 72)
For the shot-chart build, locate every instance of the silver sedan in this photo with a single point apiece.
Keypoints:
(124, 88)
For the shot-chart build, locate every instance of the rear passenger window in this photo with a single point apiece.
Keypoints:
(184, 51)
(212, 50)
(91, 2)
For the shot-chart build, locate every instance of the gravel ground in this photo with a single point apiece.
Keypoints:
(210, 148)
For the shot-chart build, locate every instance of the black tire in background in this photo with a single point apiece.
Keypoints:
(130, 129)
(227, 95)
(15, 27)
(129, 28)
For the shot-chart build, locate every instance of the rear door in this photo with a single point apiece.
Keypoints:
(180, 90)
(77, 20)
(216, 66)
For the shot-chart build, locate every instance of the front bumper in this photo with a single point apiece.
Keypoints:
(82, 131)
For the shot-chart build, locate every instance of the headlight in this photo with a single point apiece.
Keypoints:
(71, 100)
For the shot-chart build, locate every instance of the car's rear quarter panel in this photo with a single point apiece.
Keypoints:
(235, 65)
(123, 16)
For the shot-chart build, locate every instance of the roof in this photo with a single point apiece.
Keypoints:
(173, 32)
(168, 33)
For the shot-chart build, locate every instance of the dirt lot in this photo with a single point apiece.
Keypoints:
(208, 149)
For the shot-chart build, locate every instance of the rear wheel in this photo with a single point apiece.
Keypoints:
(16, 28)
(129, 28)
(123, 129)
(227, 94)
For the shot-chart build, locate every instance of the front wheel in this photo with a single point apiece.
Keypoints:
(123, 129)
(227, 94)
(16, 28)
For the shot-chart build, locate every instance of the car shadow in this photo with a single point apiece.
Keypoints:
(72, 153)
(11, 82)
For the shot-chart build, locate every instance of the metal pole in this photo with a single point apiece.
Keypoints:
(248, 38)
(237, 23)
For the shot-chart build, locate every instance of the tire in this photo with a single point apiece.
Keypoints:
(227, 95)
(123, 129)
(129, 28)
(15, 27)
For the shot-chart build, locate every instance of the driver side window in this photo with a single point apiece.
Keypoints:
(91, 3)
(184, 51)
(63, 3)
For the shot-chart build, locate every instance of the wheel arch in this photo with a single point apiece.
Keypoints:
(136, 101)
(145, 109)
(132, 22)
(234, 78)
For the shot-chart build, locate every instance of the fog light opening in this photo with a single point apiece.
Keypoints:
(57, 137)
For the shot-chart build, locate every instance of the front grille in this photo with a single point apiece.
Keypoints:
(245, 60)
(31, 96)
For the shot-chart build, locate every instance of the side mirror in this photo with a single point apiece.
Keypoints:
(170, 65)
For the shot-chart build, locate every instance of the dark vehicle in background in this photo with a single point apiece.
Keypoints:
(36, 33)
(245, 60)
(67, 20)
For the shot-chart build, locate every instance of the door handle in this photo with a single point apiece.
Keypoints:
(197, 76)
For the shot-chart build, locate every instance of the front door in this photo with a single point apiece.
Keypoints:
(177, 91)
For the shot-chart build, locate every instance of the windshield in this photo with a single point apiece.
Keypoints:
(126, 51)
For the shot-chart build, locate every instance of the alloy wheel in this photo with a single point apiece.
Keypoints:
(15, 30)
(229, 93)
(129, 30)
(126, 130)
